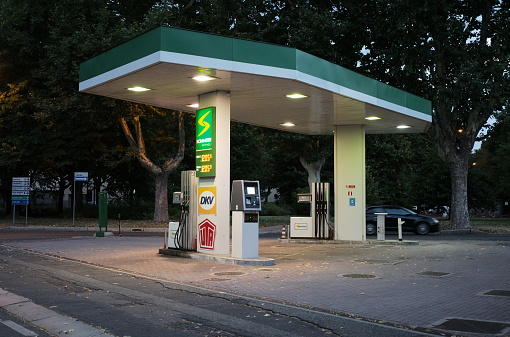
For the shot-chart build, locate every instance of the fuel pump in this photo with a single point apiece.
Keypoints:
(318, 224)
(245, 206)
(183, 234)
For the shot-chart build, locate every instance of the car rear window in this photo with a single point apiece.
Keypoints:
(398, 211)
(377, 210)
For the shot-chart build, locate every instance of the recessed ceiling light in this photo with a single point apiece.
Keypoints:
(404, 126)
(138, 89)
(372, 118)
(194, 105)
(296, 96)
(289, 124)
(204, 78)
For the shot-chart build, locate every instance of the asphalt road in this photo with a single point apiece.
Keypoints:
(126, 304)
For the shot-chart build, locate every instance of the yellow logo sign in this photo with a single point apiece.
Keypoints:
(207, 200)
(204, 124)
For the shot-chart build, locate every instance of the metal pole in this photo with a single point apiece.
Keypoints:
(26, 215)
(119, 226)
(14, 215)
(74, 199)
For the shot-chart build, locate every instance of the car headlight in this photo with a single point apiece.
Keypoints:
(434, 220)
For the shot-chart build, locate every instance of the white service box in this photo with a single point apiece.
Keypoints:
(301, 227)
(172, 230)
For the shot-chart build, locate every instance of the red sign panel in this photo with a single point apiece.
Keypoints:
(207, 234)
(350, 186)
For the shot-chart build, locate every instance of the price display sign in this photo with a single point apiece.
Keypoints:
(206, 142)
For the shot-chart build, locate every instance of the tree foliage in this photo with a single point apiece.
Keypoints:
(454, 53)
(493, 160)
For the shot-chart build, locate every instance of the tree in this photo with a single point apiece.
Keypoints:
(53, 130)
(455, 53)
(389, 159)
(164, 164)
(493, 158)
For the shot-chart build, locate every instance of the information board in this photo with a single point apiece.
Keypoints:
(20, 191)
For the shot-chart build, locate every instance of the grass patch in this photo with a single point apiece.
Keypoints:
(265, 221)
(488, 225)
(279, 220)
(491, 225)
(81, 222)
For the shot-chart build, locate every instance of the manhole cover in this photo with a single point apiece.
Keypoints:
(474, 326)
(433, 273)
(359, 275)
(498, 293)
(217, 279)
(379, 261)
(229, 273)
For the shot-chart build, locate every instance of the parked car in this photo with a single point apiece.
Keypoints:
(420, 224)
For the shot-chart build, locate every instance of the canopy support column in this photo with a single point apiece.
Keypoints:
(219, 223)
(350, 199)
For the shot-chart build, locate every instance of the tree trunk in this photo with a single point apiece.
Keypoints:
(159, 173)
(313, 169)
(459, 211)
(61, 191)
(161, 197)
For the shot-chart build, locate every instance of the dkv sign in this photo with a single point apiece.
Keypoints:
(207, 200)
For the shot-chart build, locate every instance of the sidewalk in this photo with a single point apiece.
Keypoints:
(438, 284)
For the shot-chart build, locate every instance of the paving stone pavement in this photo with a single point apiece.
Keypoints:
(414, 285)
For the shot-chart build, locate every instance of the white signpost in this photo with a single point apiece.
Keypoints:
(78, 176)
(20, 195)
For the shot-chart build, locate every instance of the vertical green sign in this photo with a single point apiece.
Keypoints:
(103, 210)
(206, 142)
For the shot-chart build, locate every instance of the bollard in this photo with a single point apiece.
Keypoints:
(284, 232)
(119, 226)
(399, 223)
(381, 227)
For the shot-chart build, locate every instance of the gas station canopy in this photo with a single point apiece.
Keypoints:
(161, 68)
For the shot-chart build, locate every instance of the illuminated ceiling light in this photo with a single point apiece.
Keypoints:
(296, 96)
(138, 89)
(372, 118)
(194, 105)
(404, 127)
(204, 78)
(288, 124)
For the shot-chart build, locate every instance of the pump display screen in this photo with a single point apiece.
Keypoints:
(251, 190)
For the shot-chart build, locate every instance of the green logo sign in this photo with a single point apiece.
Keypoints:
(205, 142)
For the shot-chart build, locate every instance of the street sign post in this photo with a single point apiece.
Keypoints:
(78, 176)
(20, 195)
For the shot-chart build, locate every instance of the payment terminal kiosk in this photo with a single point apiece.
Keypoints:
(245, 206)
